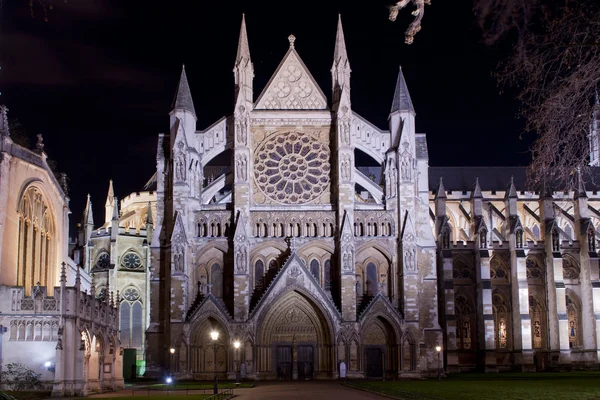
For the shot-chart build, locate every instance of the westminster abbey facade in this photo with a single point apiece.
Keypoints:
(268, 227)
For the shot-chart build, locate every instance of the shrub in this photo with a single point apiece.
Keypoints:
(18, 377)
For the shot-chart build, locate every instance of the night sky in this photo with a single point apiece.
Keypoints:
(98, 78)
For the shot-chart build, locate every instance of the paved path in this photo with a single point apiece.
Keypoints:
(313, 390)
(281, 390)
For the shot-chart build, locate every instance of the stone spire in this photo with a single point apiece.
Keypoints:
(243, 70)
(110, 203)
(402, 101)
(243, 51)
(89, 215)
(340, 70)
(183, 96)
(340, 54)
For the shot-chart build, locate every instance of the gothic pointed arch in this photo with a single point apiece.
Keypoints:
(575, 326)
(202, 347)
(464, 309)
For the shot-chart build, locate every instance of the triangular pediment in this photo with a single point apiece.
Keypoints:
(292, 87)
(294, 275)
(381, 305)
(209, 307)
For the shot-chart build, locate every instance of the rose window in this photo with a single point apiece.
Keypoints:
(292, 168)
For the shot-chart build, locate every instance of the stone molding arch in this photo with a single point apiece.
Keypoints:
(330, 320)
(377, 246)
(324, 330)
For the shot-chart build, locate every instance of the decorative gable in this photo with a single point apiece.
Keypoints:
(293, 275)
(292, 87)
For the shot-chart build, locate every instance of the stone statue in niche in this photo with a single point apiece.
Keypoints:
(345, 132)
(409, 258)
(180, 163)
(391, 178)
(240, 163)
(178, 259)
(345, 167)
(240, 261)
(242, 132)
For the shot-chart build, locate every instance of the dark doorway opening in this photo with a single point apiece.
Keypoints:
(374, 363)
(284, 362)
(305, 362)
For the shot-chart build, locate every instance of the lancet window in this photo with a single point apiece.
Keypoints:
(501, 320)
(36, 240)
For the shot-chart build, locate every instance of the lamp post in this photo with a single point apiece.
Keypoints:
(214, 336)
(439, 351)
(236, 345)
(171, 363)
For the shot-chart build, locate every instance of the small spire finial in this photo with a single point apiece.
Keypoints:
(4, 129)
(39, 146)
(292, 39)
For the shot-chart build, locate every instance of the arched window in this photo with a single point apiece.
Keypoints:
(371, 279)
(464, 328)
(327, 274)
(131, 320)
(314, 269)
(216, 278)
(36, 240)
(536, 231)
(259, 272)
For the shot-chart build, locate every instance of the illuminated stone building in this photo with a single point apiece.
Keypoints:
(50, 319)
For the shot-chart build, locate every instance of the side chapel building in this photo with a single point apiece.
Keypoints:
(266, 227)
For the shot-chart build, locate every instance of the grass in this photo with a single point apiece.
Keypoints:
(518, 386)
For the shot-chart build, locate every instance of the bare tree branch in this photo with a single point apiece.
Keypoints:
(415, 26)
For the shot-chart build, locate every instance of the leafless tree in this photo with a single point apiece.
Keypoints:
(555, 67)
(38, 5)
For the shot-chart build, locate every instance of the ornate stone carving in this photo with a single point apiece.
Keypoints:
(180, 162)
(346, 165)
(241, 168)
(292, 168)
(292, 88)
(406, 163)
(241, 265)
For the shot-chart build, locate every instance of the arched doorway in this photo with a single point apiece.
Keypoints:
(295, 340)
(206, 356)
(380, 348)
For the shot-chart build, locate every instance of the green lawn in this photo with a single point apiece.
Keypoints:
(573, 386)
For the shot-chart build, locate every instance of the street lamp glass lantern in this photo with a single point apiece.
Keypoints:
(438, 348)
(172, 350)
(214, 335)
(236, 344)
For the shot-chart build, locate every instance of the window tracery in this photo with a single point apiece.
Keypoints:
(570, 269)
(35, 239)
(535, 312)
(292, 168)
(574, 318)
(533, 269)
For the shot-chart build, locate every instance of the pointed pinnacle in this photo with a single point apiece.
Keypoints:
(149, 219)
(89, 215)
(402, 101)
(511, 193)
(580, 193)
(476, 194)
(115, 215)
(340, 54)
(183, 96)
(111, 194)
(441, 192)
(243, 51)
